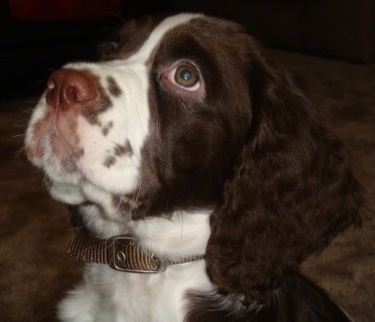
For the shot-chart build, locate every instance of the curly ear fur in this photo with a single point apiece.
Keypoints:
(292, 191)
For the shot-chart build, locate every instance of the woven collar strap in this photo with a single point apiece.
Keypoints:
(121, 253)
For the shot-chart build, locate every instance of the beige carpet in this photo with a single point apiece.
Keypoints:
(34, 230)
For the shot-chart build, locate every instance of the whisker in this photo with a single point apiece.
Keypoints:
(19, 135)
(138, 191)
(18, 153)
(78, 227)
(20, 125)
(37, 184)
(28, 111)
(113, 14)
(117, 16)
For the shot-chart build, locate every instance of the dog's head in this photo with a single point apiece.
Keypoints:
(186, 113)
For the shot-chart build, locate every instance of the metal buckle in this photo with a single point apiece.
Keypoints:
(117, 257)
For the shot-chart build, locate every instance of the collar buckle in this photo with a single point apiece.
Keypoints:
(124, 255)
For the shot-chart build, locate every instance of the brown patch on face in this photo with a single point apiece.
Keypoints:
(113, 87)
(92, 109)
(124, 149)
(109, 161)
(119, 150)
(77, 139)
(78, 153)
(105, 129)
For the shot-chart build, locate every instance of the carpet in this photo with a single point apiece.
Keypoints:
(34, 229)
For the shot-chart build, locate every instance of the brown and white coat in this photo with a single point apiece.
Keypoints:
(185, 137)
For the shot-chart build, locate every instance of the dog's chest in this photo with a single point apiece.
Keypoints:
(144, 297)
(110, 295)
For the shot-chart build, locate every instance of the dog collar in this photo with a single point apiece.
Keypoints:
(121, 253)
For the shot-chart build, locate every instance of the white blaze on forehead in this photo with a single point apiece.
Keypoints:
(158, 33)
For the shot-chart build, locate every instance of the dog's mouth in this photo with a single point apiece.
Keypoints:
(127, 204)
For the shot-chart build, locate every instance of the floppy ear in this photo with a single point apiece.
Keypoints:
(292, 191)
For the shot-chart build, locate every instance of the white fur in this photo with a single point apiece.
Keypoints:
(106, 294)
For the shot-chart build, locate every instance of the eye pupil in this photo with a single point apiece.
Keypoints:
(186, 76)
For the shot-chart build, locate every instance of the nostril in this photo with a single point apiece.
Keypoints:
(72, 94)
(50, 84)
(68, 87)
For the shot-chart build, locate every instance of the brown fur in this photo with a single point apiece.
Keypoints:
(256, 149)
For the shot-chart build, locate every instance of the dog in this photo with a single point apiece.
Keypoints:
(199, 176)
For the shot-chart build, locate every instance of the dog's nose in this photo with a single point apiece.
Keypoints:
(68, 87)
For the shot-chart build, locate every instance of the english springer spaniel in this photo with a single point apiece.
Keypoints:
(199, 177)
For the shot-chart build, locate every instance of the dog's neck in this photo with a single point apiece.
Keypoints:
(180, 235)
(173, 236)
(184, 234)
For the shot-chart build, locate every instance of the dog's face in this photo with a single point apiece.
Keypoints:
(186, 113)
(162, 127)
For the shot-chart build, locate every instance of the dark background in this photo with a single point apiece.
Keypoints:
(35, 41)
(32, 46)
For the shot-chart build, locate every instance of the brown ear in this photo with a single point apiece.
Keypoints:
(292, 191)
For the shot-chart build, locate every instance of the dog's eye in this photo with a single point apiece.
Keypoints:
(185, 76)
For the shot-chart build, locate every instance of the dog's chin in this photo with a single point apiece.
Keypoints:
(86, 193)
(65, 192)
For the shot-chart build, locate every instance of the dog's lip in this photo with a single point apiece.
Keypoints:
(128, 200)
(87, 203)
